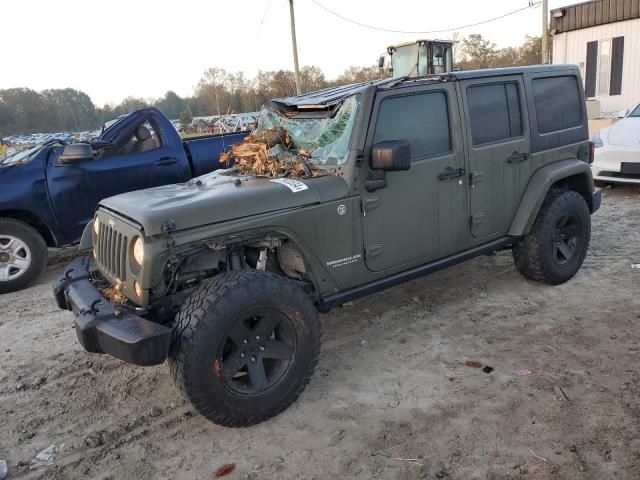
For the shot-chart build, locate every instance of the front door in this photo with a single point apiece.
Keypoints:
(422, 213)
(498, 143)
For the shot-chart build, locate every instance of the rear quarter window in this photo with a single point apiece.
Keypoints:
(557, 103)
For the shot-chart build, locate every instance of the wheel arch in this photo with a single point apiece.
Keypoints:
(571, 174)
(317, 274)
(34, 221)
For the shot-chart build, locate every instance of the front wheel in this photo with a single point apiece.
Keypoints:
(23, 255)
(245, 346)
(553, 251)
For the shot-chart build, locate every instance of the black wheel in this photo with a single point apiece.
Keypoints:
(553, 251)
(23, 255)
(245, 346)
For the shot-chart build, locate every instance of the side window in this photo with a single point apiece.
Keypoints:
(144, 139)
(494, 111)
(558, 105)
(421, 119)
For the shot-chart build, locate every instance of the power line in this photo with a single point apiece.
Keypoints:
(531, 5)
(264, 15)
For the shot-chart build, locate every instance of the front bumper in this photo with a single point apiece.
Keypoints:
(616, 165)
(103, 326)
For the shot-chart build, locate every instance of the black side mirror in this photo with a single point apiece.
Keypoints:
(391, 156)
(76, 152)
(381, 61)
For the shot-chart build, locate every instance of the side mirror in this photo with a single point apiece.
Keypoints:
(76, 152)
(381, 61)
(391, 156)
(623, 113)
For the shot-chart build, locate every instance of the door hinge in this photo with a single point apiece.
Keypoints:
(373, 251)
(475, 177)
(477, 219)
(368, 204)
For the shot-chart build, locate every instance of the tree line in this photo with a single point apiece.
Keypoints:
(23, 110)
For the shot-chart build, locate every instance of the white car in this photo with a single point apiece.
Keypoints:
(617, 151)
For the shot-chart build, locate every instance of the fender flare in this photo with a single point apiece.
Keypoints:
(540, 184)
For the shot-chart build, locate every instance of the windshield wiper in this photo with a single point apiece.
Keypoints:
(305, 164)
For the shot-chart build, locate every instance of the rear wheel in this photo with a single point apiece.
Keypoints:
(23, 255)
(553, 251)
(245, 347)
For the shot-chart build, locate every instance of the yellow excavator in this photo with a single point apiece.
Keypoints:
(419, 58)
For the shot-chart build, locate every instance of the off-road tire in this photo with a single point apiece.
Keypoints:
(202, 325)
(534, 254)
(37, 250)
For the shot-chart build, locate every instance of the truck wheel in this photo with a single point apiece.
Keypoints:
(245, 346)
(553, 251)
(23, 255)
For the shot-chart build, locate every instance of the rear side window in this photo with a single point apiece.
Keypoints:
(494, 111)
(558, 105)
(421, 119)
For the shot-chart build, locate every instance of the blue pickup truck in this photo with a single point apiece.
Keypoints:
(49, 192)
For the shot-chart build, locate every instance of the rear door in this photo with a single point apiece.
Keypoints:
(499, 147)
(418, 215)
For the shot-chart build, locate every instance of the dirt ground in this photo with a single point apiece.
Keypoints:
(392, 397)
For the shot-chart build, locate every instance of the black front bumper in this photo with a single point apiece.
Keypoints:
(103, 326)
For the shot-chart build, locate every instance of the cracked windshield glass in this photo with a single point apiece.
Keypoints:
(325, 139)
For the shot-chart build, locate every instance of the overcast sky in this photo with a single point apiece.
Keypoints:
(112, 49)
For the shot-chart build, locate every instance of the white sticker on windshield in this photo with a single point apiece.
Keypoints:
(293, 185)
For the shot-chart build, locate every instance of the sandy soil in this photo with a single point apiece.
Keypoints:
(391, 385)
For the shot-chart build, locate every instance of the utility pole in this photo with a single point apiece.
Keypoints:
(296, 69)
(545, 26)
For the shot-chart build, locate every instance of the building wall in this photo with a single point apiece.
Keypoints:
(571, 47)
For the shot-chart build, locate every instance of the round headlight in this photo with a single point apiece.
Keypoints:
(138, 250)
(96, 226)
(138, 289)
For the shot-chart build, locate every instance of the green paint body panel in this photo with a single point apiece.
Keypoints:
(351, 237)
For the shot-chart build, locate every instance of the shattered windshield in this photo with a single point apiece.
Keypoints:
(325, 139)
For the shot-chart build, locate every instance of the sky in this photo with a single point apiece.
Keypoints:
(118, 48)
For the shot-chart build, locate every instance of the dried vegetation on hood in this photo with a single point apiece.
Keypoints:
(270, 153)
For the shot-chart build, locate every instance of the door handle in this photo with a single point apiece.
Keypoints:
(166, 161)
(516, 157)
(450, 173)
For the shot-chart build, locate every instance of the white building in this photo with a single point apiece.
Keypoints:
(602, 37)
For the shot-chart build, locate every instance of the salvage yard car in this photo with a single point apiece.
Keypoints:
(617, 154)
(50, 192)
(224, 275)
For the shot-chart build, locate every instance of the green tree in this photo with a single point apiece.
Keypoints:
(185, 119)
(478, 52)
(355, 74)
(171, 104)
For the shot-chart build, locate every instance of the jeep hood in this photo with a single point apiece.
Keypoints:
(219, 197)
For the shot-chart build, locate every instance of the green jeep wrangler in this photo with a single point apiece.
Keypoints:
(224, 275)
